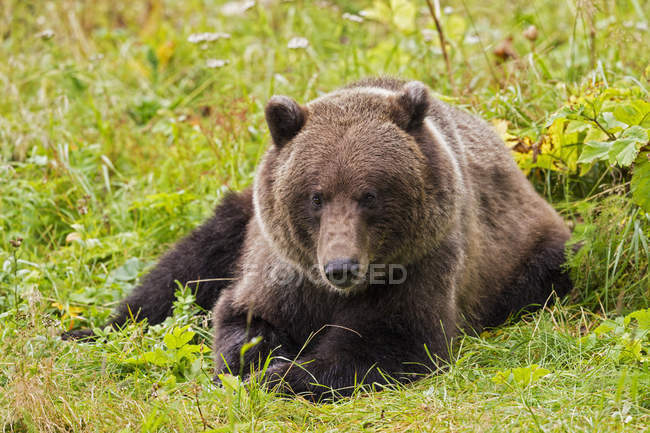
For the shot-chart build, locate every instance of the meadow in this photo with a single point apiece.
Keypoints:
(123, 123)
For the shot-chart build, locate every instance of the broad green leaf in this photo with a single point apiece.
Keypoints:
(157, 357)
(644, 109)
(501, 377)
(576, 126)
(623, 151)
(611, 124)
(178, 337)
(171, 341)
(594, 150)
(380, 11)
(642, 317)
(630, 349)
(627, 113)
(128, 271)
(403, 14)
(634, 112)
(566, 113)
(522, 376)
(187, 352)
(640, 185)
(533, 373)
(560, 152)
(637, 133)
(625, 348)
(604, 328)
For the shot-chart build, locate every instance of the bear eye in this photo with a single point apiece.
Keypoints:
(317, 200)
(368, 200)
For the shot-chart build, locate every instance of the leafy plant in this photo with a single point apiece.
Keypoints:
(609, 125)
(174, 351)
(521, 377)
(178, 355)
(624, 339)
(399, 13)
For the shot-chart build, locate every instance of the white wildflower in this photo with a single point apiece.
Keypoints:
(196, 38)
(216, 63)
(235, 8)
(45, 34)
(428, 35)
(297, 42)
(352, 17)
(73, 237)
(472, 39)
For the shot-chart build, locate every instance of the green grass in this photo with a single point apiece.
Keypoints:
(116, 139)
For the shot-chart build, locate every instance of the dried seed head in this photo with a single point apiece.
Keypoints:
(531, 33)
(505, 50)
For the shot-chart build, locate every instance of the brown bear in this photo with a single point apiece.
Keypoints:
(382, 223)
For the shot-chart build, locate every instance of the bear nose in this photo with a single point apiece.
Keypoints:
(341, 272)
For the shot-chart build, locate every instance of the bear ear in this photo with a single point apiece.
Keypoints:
(411, 105)
(285, 118)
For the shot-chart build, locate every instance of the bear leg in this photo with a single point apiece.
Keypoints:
(235, 332)
(531, 285)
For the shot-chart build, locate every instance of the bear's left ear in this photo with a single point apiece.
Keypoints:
(411, 105)
(285, 118)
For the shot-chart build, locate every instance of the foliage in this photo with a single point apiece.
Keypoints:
(601, 132)
(624, 340)
(521, 376)
(600, 124)
(610, 270)
(400, 13)
(178, 355)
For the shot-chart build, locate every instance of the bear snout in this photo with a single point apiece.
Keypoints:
(342, 251)
(342, 272)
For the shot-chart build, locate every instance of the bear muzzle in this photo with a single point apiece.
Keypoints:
(342, 251)
(343, 272)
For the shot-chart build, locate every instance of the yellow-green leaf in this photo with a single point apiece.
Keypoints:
(604, 328)
(522, 376)
(641, 316)
(623, 151)
(403, 12)
(594, 150)
(178, 337)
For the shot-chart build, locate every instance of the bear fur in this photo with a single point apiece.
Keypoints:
(374, 177)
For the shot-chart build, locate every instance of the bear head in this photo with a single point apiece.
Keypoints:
(356, 184)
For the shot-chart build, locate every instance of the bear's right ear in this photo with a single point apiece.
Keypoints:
(285, 118)
(411, 105)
